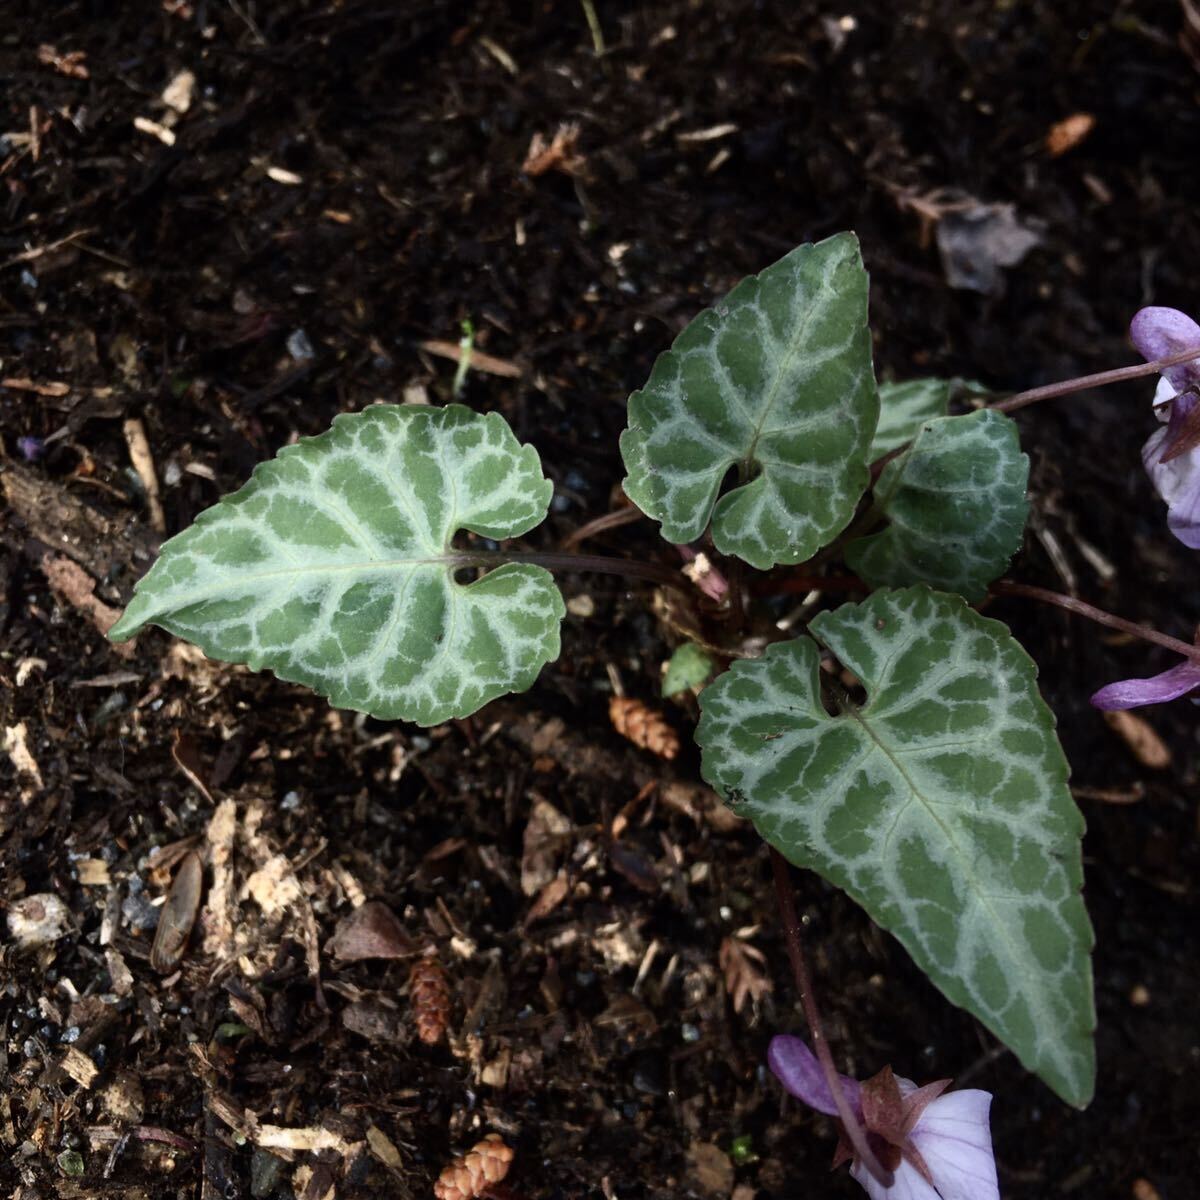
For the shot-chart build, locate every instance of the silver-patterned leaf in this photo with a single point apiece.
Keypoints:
(333, 566)
(940, 805)
(776, 383)
(955, 505)
(904, 408)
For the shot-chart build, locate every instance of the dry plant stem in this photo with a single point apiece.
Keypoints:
(1067, 386)
(1006, 587)
(631, 568)
(785, 897)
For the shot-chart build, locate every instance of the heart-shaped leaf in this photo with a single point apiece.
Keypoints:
(333, 566)
(956, 507)
(776, 382)
(940, 805)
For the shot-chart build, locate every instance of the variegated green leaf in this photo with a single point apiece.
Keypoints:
(955, 504)
(904, 408)
(333, 566)
(776, 382)
(940, 805)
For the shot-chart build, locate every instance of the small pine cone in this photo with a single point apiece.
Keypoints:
(643, 726)
(429, 996)
(471, 1174)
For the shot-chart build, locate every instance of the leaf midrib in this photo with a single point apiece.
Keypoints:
(851, 710)
(245, 580)
(790, 353)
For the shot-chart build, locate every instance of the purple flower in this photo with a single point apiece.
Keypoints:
(1158, 689)
(938, 1146)
(1172, 455)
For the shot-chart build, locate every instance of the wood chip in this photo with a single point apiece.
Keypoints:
(218, 937)
(489, 364)
(1137, 733)
(383, 1148)
(313, 1137)
(548, 899)
(143, 464)
(79, 1067)
(155, 130)
(42, 389)
(16, 746)
(179, 92)
(92, 872)
(273, 887)
(706, 135)
(1066, 134)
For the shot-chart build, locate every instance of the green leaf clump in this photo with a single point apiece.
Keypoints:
(774, 383)
(940, 804)
(334, 566)
(690, 666)
(955, 504)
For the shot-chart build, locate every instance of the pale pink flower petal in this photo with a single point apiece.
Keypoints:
(1160, 332)
(797, 1068)
(908, 1184)
(955, 1141)
(1158, 689)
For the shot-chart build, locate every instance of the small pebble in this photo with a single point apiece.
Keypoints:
(1139, 995)
(299, 347)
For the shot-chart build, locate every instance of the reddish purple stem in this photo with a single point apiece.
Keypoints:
(786, 899)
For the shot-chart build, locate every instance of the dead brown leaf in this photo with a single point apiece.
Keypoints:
(371, 931)
(741, 964)
(559, 154)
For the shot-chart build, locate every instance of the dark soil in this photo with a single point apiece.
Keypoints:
(353, 170)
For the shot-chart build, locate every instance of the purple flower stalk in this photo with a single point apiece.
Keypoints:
(1172, 455)
(937, 1143)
